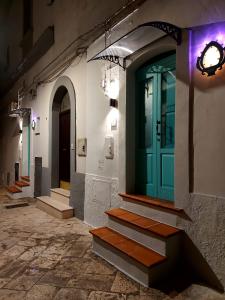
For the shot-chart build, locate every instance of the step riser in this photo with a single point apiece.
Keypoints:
(25, 179)
(14, 196)
(155, 214)
(26, 192)
(60, 198)
(54, 212)
(150, 241)
(127, 265)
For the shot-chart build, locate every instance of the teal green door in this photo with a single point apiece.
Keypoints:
(155, 107)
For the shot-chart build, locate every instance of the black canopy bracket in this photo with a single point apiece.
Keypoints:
(172, 30)
(113, 59)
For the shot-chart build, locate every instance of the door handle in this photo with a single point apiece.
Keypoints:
(157, 128)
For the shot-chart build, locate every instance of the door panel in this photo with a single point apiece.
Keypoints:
(64, 146)
(146, 149)
(167, 170)
(155, 129)
(165, 143)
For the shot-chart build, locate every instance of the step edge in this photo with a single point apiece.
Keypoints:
(163, 258)
(133, 197)
(24, 184)
(19, 191)
(26, 178)
(66, 209)
(52, 190)
(146, 230)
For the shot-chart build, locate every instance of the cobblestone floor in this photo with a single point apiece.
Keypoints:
(46, 258)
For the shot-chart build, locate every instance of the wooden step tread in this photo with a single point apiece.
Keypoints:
(22, 183)
(60, 191)
(13, 189)
(54, 203)
(140, 253)
(143, 223)
(26, 178)
(154, 202)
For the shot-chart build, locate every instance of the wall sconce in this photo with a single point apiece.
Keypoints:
(33, 125)
(212, 58)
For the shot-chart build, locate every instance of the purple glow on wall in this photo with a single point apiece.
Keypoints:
(203, 36)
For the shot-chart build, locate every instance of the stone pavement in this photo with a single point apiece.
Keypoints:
(46, 258)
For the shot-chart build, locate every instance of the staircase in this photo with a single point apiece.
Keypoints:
(20, 189)
(57, 204)
(140, 239)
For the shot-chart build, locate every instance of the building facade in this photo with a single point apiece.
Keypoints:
(161, 137)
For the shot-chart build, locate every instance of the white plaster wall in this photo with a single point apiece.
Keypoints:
(40, 108)
(101, 185)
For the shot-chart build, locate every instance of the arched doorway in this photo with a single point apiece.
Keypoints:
(141, 176)
(62, 134)
(61, 139)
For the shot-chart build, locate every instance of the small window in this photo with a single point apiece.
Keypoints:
(27, 15)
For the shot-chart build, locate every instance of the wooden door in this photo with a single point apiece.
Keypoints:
(155, 129)
(64, 146)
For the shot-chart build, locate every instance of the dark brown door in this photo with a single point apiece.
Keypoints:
(64, 146)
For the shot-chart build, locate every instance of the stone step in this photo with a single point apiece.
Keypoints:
(25, 178)
(61, 195)
(54, 207)
(13, 192)
(152, 202)
(162, 238)
(22, 184)
(13, 189)
(137, 261)
(157, 209)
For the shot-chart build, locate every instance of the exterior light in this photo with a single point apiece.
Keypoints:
(33, 124)
(113, 89)
(113, 103)
(212, 58)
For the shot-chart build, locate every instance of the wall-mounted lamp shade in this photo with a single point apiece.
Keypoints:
(33, 125)
(113, 89)
(212, 58)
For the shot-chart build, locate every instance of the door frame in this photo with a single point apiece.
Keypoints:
(183, 119)
(154, 187)
(127, 111)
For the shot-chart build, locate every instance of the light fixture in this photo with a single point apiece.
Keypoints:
(113, 89)
(212, 58)
(33, 124)
(113, 103)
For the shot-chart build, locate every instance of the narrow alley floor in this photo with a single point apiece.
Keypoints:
(46, 258)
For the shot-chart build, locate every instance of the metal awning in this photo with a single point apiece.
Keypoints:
(136, 39)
